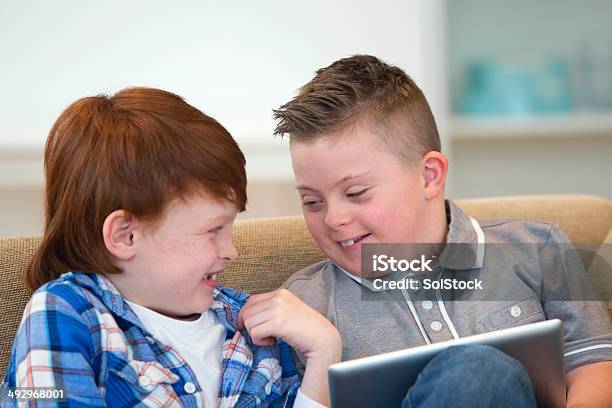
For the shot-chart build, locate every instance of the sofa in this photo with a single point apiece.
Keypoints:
(272, 249)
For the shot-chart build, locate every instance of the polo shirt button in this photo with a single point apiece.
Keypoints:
(427, 304)
(269, 387)
(515, 311)
(144, 381)
(436, 325)
(189, 387)
(150, 340)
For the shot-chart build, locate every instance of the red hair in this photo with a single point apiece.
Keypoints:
(136, 150)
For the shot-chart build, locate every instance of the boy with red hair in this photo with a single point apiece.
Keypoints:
(142, 190)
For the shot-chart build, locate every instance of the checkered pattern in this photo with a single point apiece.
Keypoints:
(78, 334)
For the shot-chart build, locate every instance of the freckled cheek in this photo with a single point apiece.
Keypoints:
(315, 224)
(168, 251)
(382, 222)
(177, 289)
(201, 261)
(190, 262)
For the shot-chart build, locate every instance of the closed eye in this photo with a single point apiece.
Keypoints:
(215, 230)
(312, 203)
(357, 193)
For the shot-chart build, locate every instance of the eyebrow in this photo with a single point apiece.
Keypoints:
(220, 218)
(343, 180)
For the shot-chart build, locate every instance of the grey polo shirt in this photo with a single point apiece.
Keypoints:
(520, 286)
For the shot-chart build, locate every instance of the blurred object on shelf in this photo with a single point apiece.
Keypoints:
(516, 87)
(594, 73)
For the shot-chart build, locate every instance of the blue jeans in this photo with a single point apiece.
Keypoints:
(471, 376)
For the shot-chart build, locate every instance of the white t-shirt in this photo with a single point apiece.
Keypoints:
(205, 360)
(199, 342)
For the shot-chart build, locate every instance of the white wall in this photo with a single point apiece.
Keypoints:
(235, 61)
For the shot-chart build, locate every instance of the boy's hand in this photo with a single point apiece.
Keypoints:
(280, 314)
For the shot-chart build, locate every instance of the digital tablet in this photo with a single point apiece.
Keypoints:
(384, 379)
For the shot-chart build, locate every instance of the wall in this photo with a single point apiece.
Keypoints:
(235, 61)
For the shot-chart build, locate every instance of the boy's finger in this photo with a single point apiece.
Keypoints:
(262, 334)
(251, 316)
(266, 317)
(261, 297)
(240, 320)
(249, 310)
(266, 341)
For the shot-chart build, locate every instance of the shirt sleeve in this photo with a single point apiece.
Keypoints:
(303, 401)
(568, 295)
(53, 349)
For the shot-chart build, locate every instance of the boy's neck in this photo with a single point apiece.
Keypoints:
(439, 230)
(187, 318)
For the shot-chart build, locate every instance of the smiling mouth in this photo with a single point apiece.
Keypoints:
(350, 242)
(211, 276)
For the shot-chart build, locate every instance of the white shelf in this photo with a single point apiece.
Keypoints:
(575, 125)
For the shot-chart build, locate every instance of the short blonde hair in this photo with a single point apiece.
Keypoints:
(362, 89)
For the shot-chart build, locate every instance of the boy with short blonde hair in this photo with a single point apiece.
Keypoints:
(369, 169)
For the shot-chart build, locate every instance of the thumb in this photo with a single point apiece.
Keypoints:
(266, 341)
(240, 321)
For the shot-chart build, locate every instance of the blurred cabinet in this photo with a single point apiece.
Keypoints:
(530, 96)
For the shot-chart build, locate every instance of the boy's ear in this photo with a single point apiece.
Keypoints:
(118, 232)
(435, 168)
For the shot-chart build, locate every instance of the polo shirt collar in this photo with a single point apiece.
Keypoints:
(465, 241)
(363, 282)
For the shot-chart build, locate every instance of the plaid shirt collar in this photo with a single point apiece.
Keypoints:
(226, 302)
(250, 373)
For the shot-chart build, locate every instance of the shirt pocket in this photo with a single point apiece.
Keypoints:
(150, 382)
(514, 314)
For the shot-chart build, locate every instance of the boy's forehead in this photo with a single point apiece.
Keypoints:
(319, 169)
(336, 145)
(341, 180)
(350, 147)
(202, 205)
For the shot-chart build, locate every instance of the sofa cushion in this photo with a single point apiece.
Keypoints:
(270, 250)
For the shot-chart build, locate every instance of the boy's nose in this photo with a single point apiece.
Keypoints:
(229, 251)
(336, 216)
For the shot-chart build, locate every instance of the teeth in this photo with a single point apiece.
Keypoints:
(211, 277)
(347, 243)
(351, 242)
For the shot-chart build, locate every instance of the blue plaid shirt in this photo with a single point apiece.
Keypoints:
(78, 334)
